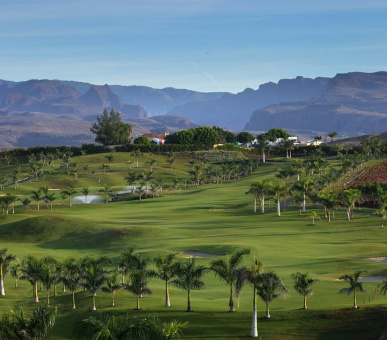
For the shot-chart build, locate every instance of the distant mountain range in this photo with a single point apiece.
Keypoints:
(39, 112)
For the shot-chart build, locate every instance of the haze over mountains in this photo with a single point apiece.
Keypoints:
(40, 112)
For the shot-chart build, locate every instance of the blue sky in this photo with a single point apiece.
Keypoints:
(205, 45)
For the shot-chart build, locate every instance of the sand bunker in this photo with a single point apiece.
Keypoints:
(377, 259)
(197, 254)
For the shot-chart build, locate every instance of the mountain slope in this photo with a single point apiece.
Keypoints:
(354, 103)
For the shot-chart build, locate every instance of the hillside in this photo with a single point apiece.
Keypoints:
(353, 103)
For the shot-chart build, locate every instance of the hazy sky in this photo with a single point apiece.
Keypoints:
(206, 45)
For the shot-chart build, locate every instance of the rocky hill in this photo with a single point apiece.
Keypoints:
(353, 103)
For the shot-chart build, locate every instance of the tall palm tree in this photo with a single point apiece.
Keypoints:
(31, 270)
(270, 288)
(15, 273)
(253, 275)
(166, 271)
(255, 191)
(72, 276)
(131, 179)
(111, 286)
(304, 185)
(303, 285)
(37, 197)
(354, 285)
(14, 324)
(188, 277)
(139, 279)
(137, 154)
(70, 192)
(5, 260)
(107, 190)
(278, 188)
(85, 192)
(349, 198)
(50, 198)
(227, 271)
(263, 144)
(126, 262)
(48, 274)
(95, 277)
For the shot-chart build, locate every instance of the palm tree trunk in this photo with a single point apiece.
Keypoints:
(74, 301)
(255, 205)
(354, 300)
(231, 304)
(138, 302)
(263, 157)
(348, 215)
(2, 291)
(304, 204)
(55, 293)
(267, 311)
(16, 287)
(64, 288)
(93, 306)
(48, 297)
(167, 301)
(189, 301)
(254, 328)
(113, 292)
(278, 208)
(305, 302)
(263, 205)
(36, 291)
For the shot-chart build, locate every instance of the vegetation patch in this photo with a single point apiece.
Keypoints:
(377, 173)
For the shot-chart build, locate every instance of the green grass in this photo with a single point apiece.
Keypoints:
(216, 219)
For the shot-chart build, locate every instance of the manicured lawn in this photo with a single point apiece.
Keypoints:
(216, 219)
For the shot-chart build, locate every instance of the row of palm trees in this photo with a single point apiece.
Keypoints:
(135, 271)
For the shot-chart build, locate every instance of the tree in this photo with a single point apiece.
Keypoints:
(70, 192)
(303, 285)
(5, 260)
(354, 285)
(107, 191)
(332, 135)
(131, 179)
(349, 198)
(72, 276)
(110, 130)
(26, 203)
(142, 140)
(50, 198)
(166, 271)
(139, 279)
(111, 286)
(95, 277)
(37, 197)
(171, 161)
(110, 159)
(31, 270)
(263, 145)
(14, 324)
(304, 185)
(48, 274)
(314, 216)
(278, 188)
(188, 277)
(381, 213)
(15, 273)
(244, 137)
(126, 262)
(227, 271)
(137, 154)
(270, 288)
(85, 192)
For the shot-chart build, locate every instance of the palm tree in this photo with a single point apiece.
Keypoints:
(255, 191)
(304, 185)
(332, 135)
(37, 197)
(354, 285)
(15, 273)
(253, 275)
(14, 325)
(107, 191)
(381, 213)
(139, 279)
(188, 277)
(262, 144)
(85, 192)
(5, 260)
(147, 177)
(131, 179)
(227, 271)
(26, 203)
(48, 274)
(278, 188)
(50, 198)
(95, 277)
(137, 154)
(111, 286)
(270, 288)
(110, 159)
(140, 190)
(166, 271)
(126, 262)
(171, 161)
(303, 285)
(31, 270)
(314, 216)
(11, 198)
(70, 192)
(72, 276)
(349, 198)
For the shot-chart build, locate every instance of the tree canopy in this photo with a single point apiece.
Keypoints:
(203, 135)
(244, 137)
(110, 130)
